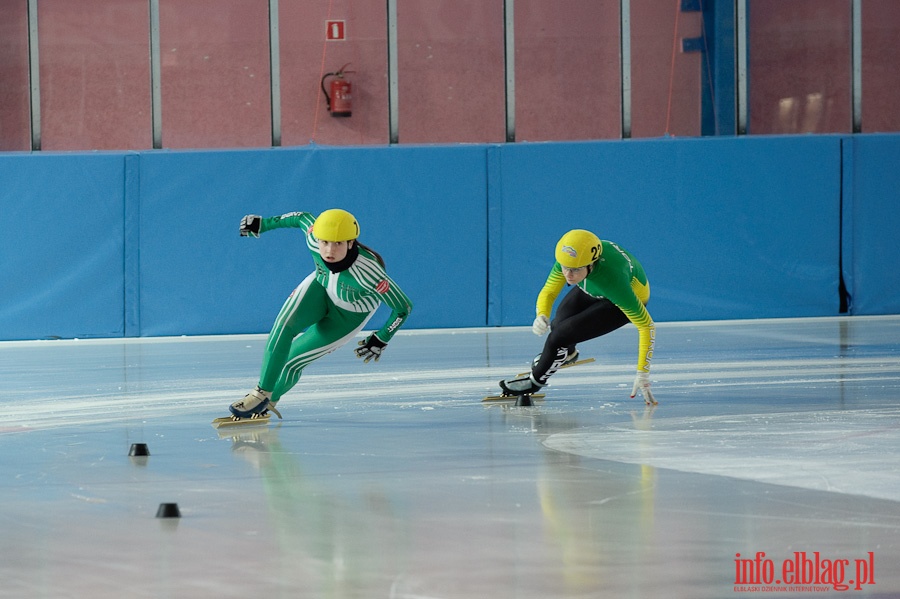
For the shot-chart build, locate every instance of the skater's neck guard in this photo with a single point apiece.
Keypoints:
(347, 262)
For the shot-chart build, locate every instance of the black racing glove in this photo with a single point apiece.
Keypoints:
(250, 225)
(370, 348)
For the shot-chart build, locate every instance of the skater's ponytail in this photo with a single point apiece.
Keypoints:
(373, 252)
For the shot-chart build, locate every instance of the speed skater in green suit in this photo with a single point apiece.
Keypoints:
(327, 309)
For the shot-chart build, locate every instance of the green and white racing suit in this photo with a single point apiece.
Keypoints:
(327, 309)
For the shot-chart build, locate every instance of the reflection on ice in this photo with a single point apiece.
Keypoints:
(840, 451)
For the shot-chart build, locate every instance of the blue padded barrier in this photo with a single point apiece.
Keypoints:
(146, 243)
(872, 224)
(422, 209)
(62, 247)
(725, 228)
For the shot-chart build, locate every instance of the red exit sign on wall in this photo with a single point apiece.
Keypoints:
(335, 31)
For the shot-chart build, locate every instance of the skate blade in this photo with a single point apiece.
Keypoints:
(575, 363)
(512, 398)
(235, 421)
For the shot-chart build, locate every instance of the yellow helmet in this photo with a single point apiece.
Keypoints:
(578, 248)
(336, 225)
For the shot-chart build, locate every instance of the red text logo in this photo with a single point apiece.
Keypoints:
(809, 572)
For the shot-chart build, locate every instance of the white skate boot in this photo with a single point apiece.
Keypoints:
(255, 403)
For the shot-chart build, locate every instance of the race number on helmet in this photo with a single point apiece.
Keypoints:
(578, 248)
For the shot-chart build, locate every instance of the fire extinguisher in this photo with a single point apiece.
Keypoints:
(339, 102)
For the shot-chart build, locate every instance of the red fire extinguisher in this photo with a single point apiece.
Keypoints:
(340, 101)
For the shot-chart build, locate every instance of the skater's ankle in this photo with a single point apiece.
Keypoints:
(536, 381)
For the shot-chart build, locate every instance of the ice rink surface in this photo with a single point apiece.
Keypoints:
(777, 440)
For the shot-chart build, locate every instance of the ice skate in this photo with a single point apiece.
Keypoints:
(256, 403)
(253, 409)
(521, 389)
(571, 359)
(523, 385)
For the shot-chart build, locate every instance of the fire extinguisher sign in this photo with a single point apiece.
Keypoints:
(335, 31)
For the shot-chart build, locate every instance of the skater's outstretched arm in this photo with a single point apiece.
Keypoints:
(253, 225)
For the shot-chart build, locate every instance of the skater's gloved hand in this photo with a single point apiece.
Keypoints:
(250, 225)
(541, 325)
(642, 384)
(370, 347)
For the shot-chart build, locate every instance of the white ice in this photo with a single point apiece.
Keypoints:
(394, 479)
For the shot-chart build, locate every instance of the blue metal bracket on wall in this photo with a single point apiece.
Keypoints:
(692, 44)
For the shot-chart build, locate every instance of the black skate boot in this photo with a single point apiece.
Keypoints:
(523, 385)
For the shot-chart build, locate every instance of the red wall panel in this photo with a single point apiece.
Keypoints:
(567, 70)
(306, 56)
(215, 73)
(94, 75)
(451, 71)
(880, 60)
(799, 66)
(665, 82)
(15, 97)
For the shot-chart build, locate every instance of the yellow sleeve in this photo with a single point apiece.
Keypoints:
(644, 324)
(646, 341)
(549, 292)
(632, 301)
